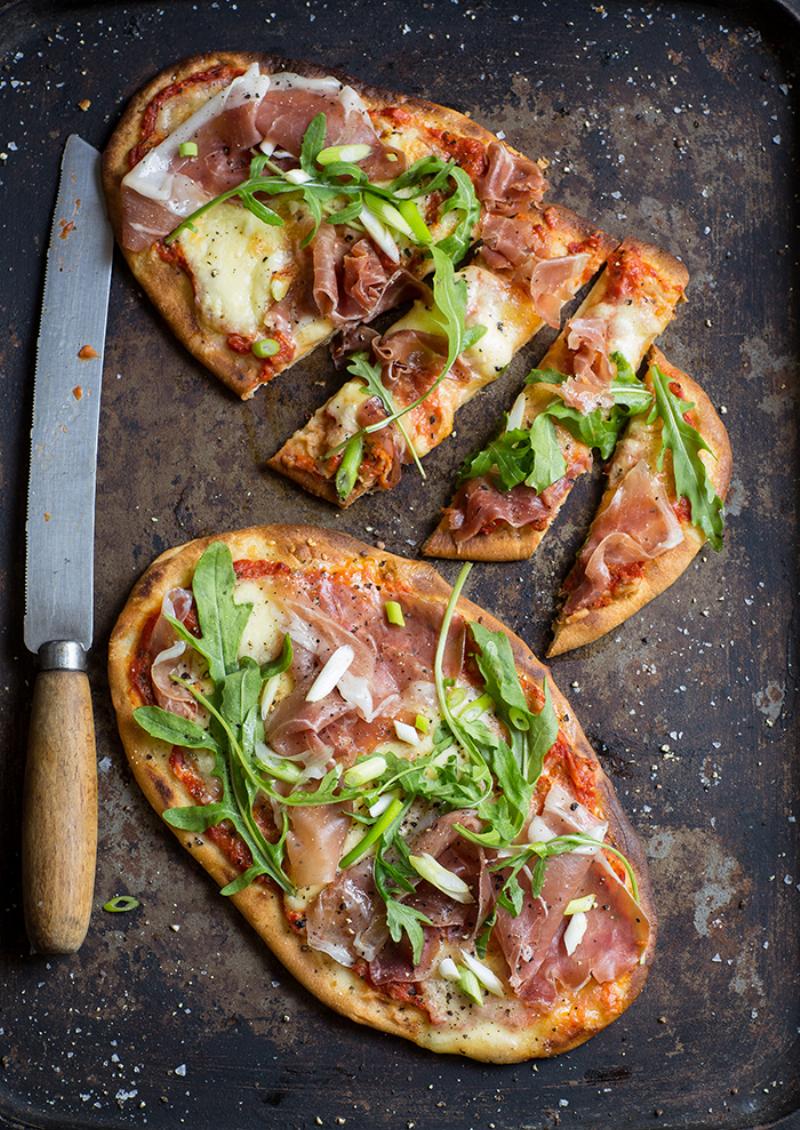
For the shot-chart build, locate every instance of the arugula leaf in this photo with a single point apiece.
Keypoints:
(393, 879)
(462, 200)
(168, 727)
(533, 455)
(532, 734)
(241, 690)
(222, 621)
(692, 480)
(313, 141)
(400, 919)
(283, 662)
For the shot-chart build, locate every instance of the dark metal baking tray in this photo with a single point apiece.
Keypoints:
(672, 122)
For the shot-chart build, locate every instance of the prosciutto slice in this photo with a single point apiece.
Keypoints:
(314, 843)
(386, 665)
(480, 503)
(286, 111)
(638, 525)
(512, 246)
(526, 939)
(351, 282)
(511, 182)
(170, 658)
(593, 370)
(346, 920)
(616, 934)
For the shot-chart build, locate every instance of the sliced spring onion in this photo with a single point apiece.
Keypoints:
(476, 706)
(469, 985)
(297, 176)
(573, 935)
(265, 347)
(456, 696)
(350, 153)
(388, 215)
(380, 234)
(580, 906)
(517, 413)
(365, 771)
(373, 835)
(406, 733)
(381, 804)
(487, 977)
(422, 724)
(188, 149)
(121, 904)
(445, 881)
(350, 465)
(448, 969)
(268, 695)
(331, 673)
(279, 288)
(394, 613)
(281, 769)
(413, 217)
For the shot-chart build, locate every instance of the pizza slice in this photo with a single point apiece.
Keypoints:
(263, 204)
(389, 787)
(511, 492)
(666, 486)
(405, 392)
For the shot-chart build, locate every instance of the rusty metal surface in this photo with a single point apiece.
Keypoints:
(673, 123)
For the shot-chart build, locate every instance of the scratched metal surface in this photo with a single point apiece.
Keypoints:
(674, 123)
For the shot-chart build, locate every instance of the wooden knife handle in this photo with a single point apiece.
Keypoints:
(59, 835)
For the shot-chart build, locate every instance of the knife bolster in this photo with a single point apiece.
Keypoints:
(62, 655)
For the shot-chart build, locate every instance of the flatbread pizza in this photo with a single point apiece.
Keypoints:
(389, 786)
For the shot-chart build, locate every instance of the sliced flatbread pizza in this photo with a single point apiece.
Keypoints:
(264, 204)
(390, 788)
(409, 384)
(666, 486)
(585, 386)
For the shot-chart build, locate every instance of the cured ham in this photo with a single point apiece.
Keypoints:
(345, 920)
(387, 666)
(480, 505)
(351, 281)
(511, 182)
(515, 246)
(169, 656)
(314, 843)
(525, 939)
(553, 283)
(589, 388)
(638, 525)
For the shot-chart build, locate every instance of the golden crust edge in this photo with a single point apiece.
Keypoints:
(335, 986)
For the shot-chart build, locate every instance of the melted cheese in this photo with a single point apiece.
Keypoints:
(490, 304)
(233, 258)
(631, 327)
(263, 634)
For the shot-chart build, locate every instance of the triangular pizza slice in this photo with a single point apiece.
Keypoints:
(511, 491)
(666, 486)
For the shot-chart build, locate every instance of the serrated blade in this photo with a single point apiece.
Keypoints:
(59, 564)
